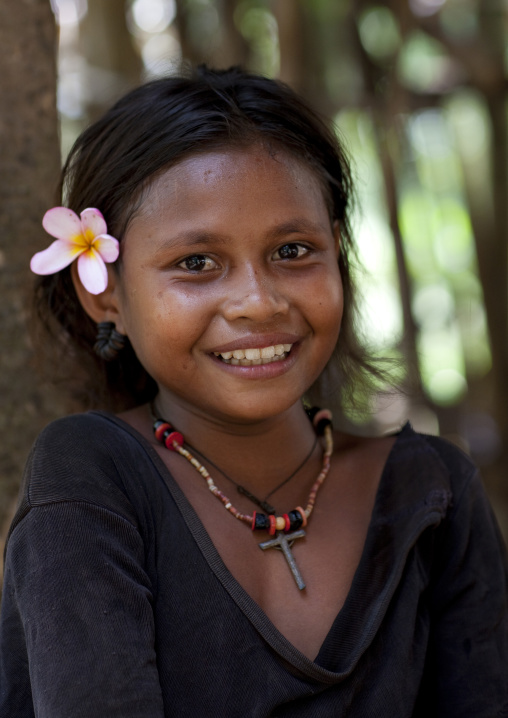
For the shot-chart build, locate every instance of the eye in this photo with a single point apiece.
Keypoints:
(291, 251)
(197, 263)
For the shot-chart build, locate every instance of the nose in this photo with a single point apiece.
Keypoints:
(254, 294)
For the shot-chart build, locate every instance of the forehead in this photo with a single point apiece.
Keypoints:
(232, 180)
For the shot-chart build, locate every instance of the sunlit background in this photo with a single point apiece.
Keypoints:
(417, 91)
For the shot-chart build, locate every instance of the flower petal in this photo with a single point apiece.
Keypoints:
(92, 271)
(93, 220)
(107, 246)
(62, 223)
(58, 255)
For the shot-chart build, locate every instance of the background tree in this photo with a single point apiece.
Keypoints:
(30, 157)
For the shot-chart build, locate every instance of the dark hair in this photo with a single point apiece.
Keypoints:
(153, 128)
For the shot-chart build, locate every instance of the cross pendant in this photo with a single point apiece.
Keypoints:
(283, 542)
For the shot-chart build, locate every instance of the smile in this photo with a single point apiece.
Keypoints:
(253, 357)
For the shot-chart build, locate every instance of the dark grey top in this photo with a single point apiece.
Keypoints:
(117, 604)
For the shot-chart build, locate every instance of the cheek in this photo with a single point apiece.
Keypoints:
(328, 306)
(163, 327)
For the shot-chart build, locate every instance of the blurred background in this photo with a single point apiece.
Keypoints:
(417, 91)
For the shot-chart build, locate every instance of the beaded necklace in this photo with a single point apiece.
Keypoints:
(262, 503)
(289, 526)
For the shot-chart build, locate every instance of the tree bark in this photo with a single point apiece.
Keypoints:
(29, 148)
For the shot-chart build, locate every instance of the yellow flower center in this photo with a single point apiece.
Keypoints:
(84, 240)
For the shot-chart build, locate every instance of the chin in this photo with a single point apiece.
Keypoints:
(259, 410)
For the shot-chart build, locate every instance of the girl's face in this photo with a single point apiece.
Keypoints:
(230, 260)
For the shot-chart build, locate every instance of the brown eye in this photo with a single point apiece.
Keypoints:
(197, 263)
(291, 251)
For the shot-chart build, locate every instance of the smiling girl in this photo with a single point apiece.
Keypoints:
(206, 546)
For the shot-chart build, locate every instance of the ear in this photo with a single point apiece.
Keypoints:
(336, 236)
(104, 307)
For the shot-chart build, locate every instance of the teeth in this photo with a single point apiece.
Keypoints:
(249, 357)
(252, 353)
(267, 352)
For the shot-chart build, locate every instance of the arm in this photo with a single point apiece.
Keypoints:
(77, 592)
(467, 664)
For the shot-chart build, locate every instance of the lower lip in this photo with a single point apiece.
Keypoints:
(260, 371)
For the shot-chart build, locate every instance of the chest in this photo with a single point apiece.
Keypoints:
(326, 557)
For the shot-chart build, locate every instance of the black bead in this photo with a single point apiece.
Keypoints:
(295, 520)
(312, 411)
(261, 522)
(321, 426)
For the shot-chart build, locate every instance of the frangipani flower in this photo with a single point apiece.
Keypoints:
(83, 238)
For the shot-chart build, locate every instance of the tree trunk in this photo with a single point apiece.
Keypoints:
(29, 149)
(113, 65)
(290, 22)
(198, 46)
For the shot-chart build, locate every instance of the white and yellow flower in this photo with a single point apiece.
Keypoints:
(83, 238)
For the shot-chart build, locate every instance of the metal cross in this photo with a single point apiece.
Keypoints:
(284, 543)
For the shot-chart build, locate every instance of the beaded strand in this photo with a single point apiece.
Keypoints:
(293, 520)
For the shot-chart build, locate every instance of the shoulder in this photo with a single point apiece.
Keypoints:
(444, 480)
(429, 483)
(84, 457)
(435, 447)
(432, 460)
(412, 467)
(421, 478)
(80, 429)
(79, 444)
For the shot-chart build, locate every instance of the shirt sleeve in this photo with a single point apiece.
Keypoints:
(76, 590)
(467, 663)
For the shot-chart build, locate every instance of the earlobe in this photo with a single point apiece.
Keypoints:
(102, 307)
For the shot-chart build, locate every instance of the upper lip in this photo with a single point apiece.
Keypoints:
(256, 341)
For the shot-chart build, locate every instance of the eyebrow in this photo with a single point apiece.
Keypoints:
(192, 238)
(297, 226)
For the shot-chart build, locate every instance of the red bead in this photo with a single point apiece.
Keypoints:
(287, 527)
(253, 525)
(159, 431)
(173, 437)
(272, 528)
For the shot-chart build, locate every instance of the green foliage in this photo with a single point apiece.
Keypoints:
(423, 64)
(259, 27)
(379, 32)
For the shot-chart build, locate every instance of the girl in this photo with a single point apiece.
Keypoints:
(213, 549)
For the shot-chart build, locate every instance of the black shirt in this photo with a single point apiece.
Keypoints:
(117, 604)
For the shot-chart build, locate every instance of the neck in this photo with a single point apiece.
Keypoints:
(257, 454)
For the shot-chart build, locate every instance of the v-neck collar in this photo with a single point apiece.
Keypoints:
(412, 495)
